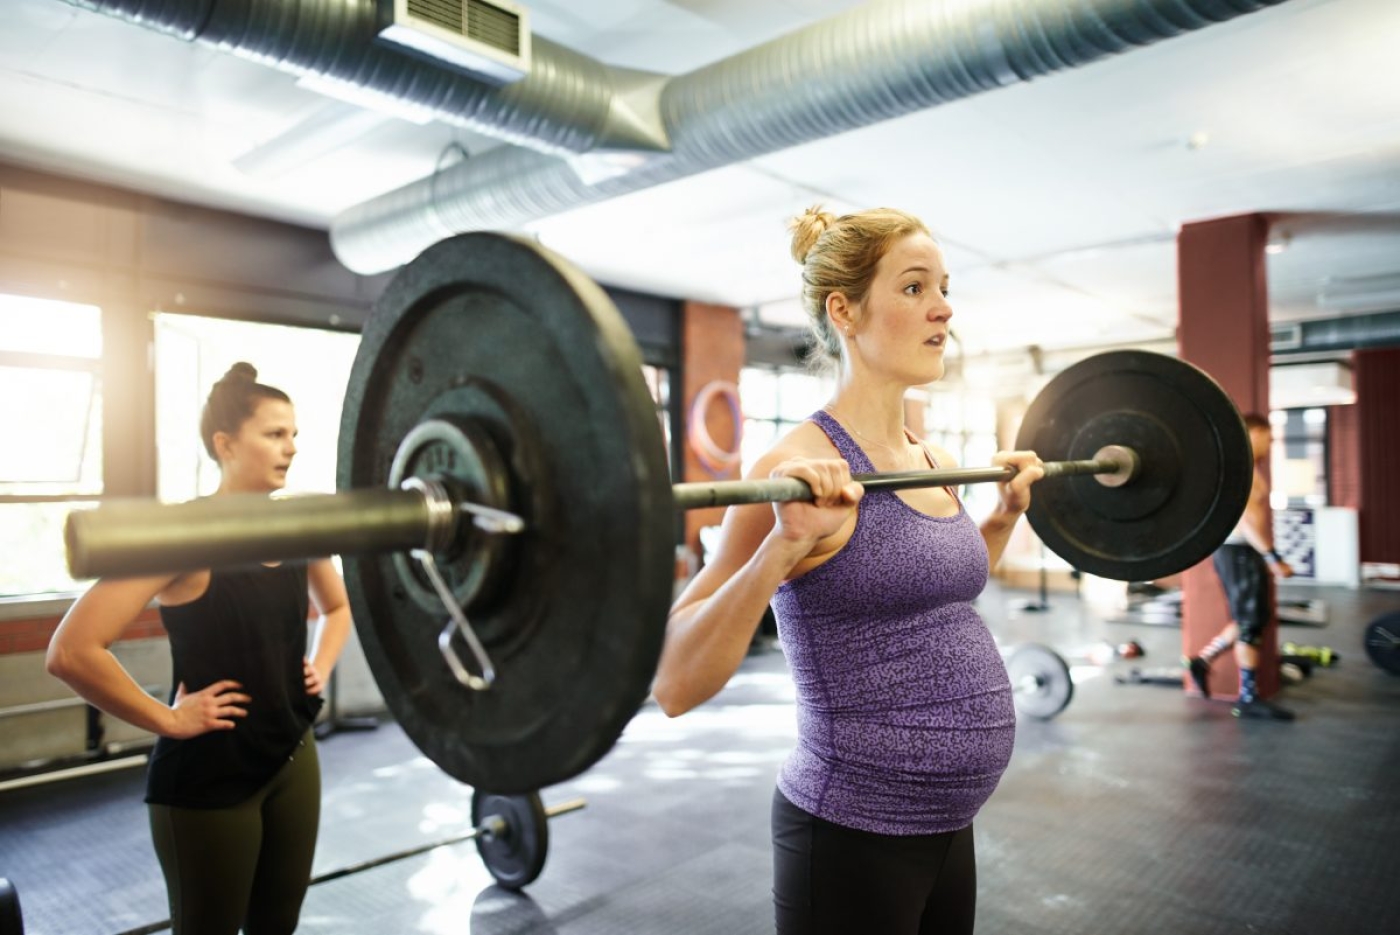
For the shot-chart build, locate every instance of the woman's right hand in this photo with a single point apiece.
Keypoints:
(807, 522)
(211, 708)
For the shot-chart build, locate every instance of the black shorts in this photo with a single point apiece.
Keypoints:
(1248, 589)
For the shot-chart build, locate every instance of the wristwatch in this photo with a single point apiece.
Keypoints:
(1272, 557)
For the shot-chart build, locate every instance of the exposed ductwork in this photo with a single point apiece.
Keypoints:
(872, 63)
(569, 104)
(1336, 335)
(633, 130)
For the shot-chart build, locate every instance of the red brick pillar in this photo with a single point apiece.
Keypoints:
(1344, 456)
(712, 351)
(1377, 378)
(1223, 328)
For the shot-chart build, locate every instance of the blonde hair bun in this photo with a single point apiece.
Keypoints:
(807, 228)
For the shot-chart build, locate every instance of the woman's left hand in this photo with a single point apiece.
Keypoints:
(315, 683)
(1016, 492)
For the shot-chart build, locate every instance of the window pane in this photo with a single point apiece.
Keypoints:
(43, 326)
(659, 383)
(759, 436)
(1298, 460)
(758, 389)
(658, 380)
(54, 438)
(31, 539)
(801, 394)
(980, 499)
(310, 365)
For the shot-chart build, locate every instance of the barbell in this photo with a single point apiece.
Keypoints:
(511, 833)
(501, 464)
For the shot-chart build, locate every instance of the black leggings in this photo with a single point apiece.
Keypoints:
(831, 879)
(247, 866)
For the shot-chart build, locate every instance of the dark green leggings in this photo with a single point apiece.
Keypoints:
(248, 865)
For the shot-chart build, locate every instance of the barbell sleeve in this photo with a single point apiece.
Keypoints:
(125, 538)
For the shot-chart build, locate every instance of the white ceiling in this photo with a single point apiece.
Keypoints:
(1057, 200)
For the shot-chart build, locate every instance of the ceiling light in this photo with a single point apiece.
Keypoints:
(1278, 243)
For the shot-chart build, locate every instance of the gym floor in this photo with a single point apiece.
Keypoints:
(1137, 810)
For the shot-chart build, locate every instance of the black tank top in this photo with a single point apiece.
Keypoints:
(250, 626)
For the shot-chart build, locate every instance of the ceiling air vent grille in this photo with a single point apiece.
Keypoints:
(487, 41)
(444, 13)
(492, 25)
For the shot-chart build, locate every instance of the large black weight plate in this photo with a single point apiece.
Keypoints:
(1193, 482)
(1383, 642)
(1040, 682)
(11, 919)
(504, 336)
(516, 856)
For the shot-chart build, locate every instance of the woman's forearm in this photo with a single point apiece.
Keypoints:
(329, 640)
(996, 532)
(96, 675)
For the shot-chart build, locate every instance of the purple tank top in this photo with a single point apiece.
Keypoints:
(905, 720)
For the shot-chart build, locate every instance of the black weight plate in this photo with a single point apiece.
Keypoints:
(1193, 482)
(1040, 681)
(502, 335)
(11, 919)
(1383, 642)
(515, 857)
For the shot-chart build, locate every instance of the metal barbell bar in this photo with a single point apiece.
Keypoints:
(518, 843)
(128, 538)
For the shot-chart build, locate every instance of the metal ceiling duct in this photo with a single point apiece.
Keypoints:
(570, 103)
(872, 63)
(1381, 329)
(622, 131)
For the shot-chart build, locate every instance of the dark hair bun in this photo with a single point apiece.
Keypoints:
(241, 371)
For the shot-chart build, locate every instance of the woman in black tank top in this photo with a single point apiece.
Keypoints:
(233, 786)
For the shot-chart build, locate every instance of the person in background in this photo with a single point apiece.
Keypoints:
(904, 707)
(1247, 563)
(234, 784)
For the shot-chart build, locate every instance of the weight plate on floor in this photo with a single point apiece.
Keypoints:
(1383, 642)
(1040, 682)
(496, 335)
(516, 853)
(1196, 465)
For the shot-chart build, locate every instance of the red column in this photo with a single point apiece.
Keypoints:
(1377, 378)
(712, 350)
(1223, 328)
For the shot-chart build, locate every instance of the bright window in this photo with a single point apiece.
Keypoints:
(658, 380)
(310, 365)
(775, 402)
(51, 421)
(963, 423)
(1298, 459)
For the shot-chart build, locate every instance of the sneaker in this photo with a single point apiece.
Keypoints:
(1261, 709)
(1200, 674)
